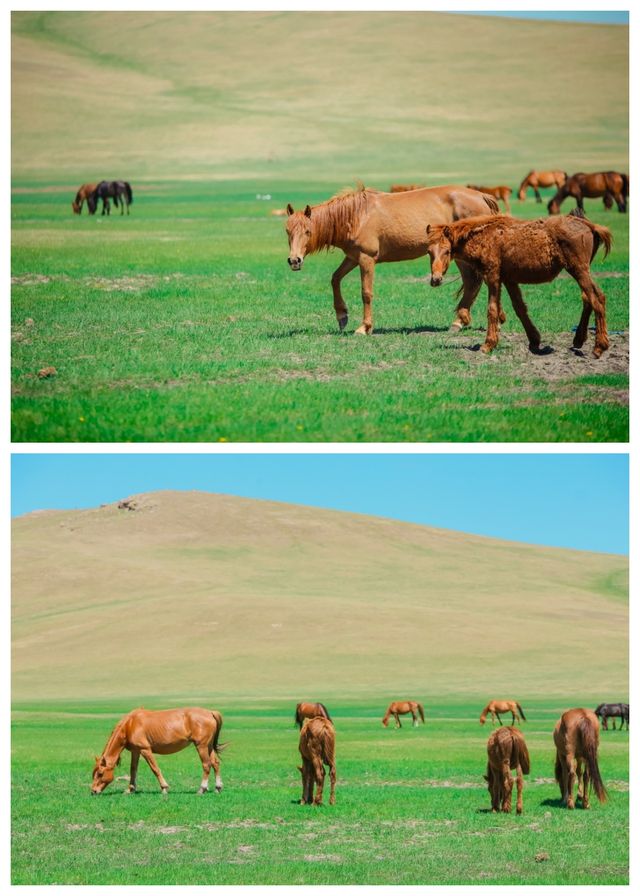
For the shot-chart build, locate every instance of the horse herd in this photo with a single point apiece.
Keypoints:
(576, 737)
(118, 190)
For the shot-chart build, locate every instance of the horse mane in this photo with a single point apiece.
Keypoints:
(337, 219)
(465, 228)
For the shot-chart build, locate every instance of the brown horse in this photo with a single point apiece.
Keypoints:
(318, 748)
(82, 196)
(512, 251)
(372, 227)
(310, 711)
(506, 750)
(576, 737)
(401, 708)
(536, 179)
(495, 707)
(144, 732)
(611, 185)
(404, 188)
(502, 193)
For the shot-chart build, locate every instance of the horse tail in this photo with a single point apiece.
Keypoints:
(298, 717)
(590, 748)
(520, 710)
(214, 746)
(129, 192)
(421, 711)
(325, 711)
(600, 235)
(558, 769)
(521, 755)
(491, 202)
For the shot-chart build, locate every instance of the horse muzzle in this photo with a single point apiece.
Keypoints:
(436, 280)
(295, 262)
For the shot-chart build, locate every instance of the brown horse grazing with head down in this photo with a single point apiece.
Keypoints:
(611, 185)
(318, 748)
(310, 711)
(404, 188)
(502, 193)
(495, 707)
(576, 737)
(512, 251)
(506, 750)
(81, 196)
(536, 179)
(401, 708)
(144, 732)
(373, 227)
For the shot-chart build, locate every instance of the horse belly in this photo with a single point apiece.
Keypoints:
(530, 260)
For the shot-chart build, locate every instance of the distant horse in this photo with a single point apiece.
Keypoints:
(372, 227)
(613, 711)
(144, 732)
(495, 707)
(118, 190)
(318, 748)
(576, 737)
(82, 196)
(506, 750)
(512, 251)
(404, 188)
(611, 185)
(310, 711)
(502, 193)
(278, 212)
(535, 179)
(401, 708)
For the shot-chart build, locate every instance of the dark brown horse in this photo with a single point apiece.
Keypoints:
(611, 185)
(310, 711)
(318, 748)
(576, 737)
(371, 227)
(502, 193)
(495, 707)
(512, 251)
(82, 196)
(118, 190)
(536, 179)
(506, 750)
(614, 711)
(401, 708)
(144, 732)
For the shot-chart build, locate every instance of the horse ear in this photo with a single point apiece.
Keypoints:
(289, 209)
(428, 228)
(103, 761)
(307, 211)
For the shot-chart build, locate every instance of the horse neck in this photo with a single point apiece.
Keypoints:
(115, 745)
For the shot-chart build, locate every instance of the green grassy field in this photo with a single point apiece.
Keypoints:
(411, 807)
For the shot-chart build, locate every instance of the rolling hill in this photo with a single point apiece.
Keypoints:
(199, 594)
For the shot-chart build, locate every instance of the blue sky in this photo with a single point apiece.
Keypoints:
(565, 500)
(604, 17)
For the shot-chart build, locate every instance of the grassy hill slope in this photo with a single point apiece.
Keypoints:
(195, 593)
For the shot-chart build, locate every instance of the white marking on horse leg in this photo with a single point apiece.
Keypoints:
(218, 783)
(204, 785)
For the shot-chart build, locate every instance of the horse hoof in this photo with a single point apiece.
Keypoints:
(455, 327)
(219, 789)
(343, 321)
(486, 349)
(362, 331)
(165, 791)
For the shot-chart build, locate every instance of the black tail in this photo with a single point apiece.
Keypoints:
(625, 185)
(298, 718)
(214, 745)
(524, 718)
(129, 191)
(590, 748)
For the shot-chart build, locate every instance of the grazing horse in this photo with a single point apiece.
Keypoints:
(81, 196)
(506, 750)
(613, 711)
(144, 732)
(495, 707)
(318, 748)
(118, 190)
(404, 188)
(576, 737)
(372, 227)
(310, 711)
(611, 185)
(401, 708)
(535, 179)
(512, 251)
(502, 193)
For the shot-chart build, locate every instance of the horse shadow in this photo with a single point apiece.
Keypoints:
(556, 803)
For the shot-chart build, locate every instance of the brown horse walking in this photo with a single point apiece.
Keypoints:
(318, 748)
(502, 193)
(611, 185)
(402, 708)
(512, 251)
(144, 732)
(310, 711)
(536, 179)
(82, 196)
(372, 227)
(576, 737)
(506, 750)
(495, 707)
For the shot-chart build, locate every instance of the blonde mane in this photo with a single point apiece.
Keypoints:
(338, 219)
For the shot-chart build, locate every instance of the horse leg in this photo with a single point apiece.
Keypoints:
(398, 722)
(507, 207)
(619, 200)
(520, 308)
(332, 781)
(205, 759)
(215, 762)
(538, 196)
(319, 773)
(583, 326)
(597, 300)
(571, 777)
(133, 772)
(153, 765)
(499, 719)
(367, 267)
(471, 283)
(415, 718)
(493, 312)
(519, 786)
(342, 312)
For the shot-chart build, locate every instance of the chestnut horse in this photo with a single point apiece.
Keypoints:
(82, 196)
(495, 707)
(502, 193)
(611, 185)
(318, 748)
(512, 251)
(372, 227)
(404, 188)
(535, 179)
(144, 732)
(506, 750)
(310, 711)
(401, 708)
(576, 737)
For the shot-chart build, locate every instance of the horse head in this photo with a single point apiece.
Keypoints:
(102, 776)
(75, 205)
(439, 247)
(299, 234)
